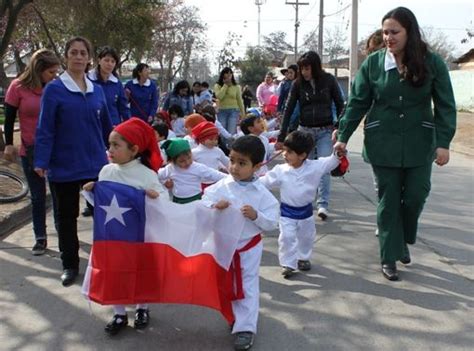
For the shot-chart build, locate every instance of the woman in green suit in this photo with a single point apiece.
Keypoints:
(403, 134)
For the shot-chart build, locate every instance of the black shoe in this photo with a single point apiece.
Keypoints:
(40, 247)
(69, 276)
(287, 272)
(243, 341)
(304, 265)
(406, 259)
(117, 323)
(87, 212)
(142, 318)
(389, 271)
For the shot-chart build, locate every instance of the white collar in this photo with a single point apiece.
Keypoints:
(390, 62)
(72, 86)
(92, 75)
(147, 82)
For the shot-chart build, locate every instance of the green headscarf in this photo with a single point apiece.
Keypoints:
(175, 147)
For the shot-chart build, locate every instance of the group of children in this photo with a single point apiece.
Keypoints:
(198, 169)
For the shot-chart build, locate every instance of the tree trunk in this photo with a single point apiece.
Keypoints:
(20, 65)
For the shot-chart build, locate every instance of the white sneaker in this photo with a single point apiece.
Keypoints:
(377, 232)
(323, 213)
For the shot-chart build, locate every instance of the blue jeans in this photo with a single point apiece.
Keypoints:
(37, 187)
(229, 118)
(324, 147)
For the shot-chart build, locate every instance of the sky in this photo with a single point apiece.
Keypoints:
(241, 16)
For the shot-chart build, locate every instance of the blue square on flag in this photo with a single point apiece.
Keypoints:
(119, 212)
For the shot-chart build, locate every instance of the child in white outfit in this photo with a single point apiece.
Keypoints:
(298, 180)
(242, 189)
(134, 158)
(184, 176)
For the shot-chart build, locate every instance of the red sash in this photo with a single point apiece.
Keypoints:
(236, 268)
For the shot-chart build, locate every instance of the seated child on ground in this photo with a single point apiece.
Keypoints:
(177, 120)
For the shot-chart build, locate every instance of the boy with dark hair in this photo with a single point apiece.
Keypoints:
(177, 120)
(260, 208)
(255, 125)
(298, 180)
(162, 132)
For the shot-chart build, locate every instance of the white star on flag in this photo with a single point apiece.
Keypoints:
(114, 211)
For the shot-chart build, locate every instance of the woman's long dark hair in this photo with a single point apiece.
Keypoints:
(138, 68)
(313, 60)
(107, 50)
(415, 48)
(221, 76)
(182, 84)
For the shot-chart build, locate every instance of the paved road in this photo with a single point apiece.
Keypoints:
(342, 304)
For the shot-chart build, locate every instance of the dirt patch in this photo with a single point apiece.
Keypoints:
(463, 141)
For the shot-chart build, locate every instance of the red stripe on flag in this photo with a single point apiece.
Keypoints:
(128, 273)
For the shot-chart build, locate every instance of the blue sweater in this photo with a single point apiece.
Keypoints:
(73, 130)
(115, 96)
(145, 96)
(185, 102)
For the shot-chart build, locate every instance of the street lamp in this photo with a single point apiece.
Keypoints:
(259, 3)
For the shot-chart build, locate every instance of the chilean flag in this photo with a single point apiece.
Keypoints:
(155, 251)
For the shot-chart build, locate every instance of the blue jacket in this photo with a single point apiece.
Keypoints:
(73, 130)
(184, 102)
(114, 94)
(145, 96)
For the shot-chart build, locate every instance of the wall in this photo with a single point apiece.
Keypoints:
(463, 86)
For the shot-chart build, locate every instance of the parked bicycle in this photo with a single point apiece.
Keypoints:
(12, 187)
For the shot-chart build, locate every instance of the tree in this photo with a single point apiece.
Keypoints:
(335, 44)
(439, 43)
(310, 41)
(178, 33)
(9, 12)
(226, 56)
(254, 66)
(276, 46)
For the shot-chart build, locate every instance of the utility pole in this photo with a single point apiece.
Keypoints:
(354, 51)
(297, 23)
(259, 3)
(320, 33)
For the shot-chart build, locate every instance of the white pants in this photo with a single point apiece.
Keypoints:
(246, 309)
(296, 240)
(120, 309)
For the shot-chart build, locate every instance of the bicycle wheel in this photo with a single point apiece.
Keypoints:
(12, 187)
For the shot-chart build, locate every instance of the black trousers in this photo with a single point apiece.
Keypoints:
(66, 197)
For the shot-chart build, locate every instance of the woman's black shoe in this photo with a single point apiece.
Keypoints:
(69, 276)
(389, 271)
(142, 318)
(406, 259)
(117, 323)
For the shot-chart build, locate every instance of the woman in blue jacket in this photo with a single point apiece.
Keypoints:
(70, 145)
(105, 74)
(142, 94)
(180, 96)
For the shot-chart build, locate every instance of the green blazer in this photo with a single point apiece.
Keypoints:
(401, 128)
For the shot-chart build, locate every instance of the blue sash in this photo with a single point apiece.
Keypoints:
(296, 212)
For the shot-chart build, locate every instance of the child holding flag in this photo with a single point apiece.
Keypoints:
(260, 209)
(135, 159)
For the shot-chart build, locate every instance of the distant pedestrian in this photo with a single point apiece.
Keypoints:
(247, 97)
(181, 96)
(142, 93)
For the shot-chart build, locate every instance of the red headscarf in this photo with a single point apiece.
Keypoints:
(193, 120)
(138, 132)
(204, 130)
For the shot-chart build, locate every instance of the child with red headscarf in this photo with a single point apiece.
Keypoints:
(206, 135)
(135, 159)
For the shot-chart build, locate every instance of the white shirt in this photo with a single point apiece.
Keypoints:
(211, 157)
(178, 126)
(191, 141)
(133, 173)
(222, 131)
(299, 186)
(269, 148)
(187, 182)
(253, 194)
